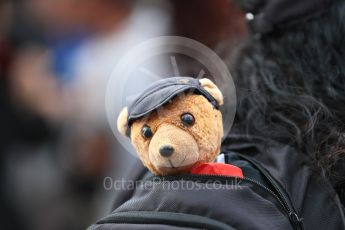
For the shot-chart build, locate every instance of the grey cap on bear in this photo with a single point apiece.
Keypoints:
(160, 92)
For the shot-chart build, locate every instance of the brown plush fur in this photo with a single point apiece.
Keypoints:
(198, 143)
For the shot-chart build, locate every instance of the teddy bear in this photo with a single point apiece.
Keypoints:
(176, 127)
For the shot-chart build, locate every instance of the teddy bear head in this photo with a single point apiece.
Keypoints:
(175, 124)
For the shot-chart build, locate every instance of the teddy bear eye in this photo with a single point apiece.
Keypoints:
(146, 132)
(187, 119)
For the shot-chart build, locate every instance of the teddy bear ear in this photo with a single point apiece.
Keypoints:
(122, 124)
(212, 89)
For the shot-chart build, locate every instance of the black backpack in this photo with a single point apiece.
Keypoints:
(279, 191)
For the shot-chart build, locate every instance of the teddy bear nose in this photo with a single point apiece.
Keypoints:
(166, 150)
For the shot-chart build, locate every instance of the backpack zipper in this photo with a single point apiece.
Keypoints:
(280, 196)
(293, 216)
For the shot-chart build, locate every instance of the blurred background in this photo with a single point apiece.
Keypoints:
(55, 59)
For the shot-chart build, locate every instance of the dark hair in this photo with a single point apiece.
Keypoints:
(291, 89)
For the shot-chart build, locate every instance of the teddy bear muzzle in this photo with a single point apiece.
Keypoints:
(172, 147)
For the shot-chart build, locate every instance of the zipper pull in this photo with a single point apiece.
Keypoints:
(296, 220)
